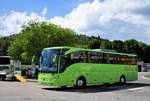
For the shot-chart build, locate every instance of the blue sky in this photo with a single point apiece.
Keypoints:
(111, 19)
(55, 7)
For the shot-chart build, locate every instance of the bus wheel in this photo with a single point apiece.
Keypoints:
(81, 82)
(122, 80)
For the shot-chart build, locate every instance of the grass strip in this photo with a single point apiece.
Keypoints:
(148, 76)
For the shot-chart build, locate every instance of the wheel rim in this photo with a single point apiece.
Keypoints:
(80, 82)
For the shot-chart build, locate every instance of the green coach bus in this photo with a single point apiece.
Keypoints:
(69, 66)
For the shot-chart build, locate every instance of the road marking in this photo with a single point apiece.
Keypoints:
(136, 88)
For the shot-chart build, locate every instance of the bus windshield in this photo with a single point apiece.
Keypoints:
(49, 60)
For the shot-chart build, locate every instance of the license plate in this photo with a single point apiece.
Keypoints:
(44, 83)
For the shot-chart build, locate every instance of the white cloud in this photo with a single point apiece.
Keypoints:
(11, 23)
(112, 19)
(44, 11)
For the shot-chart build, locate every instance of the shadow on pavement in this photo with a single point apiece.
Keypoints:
(10, 81)
(28, 80)
(100, 88)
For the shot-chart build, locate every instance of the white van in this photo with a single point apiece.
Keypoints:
(6, 71)
(8, 68)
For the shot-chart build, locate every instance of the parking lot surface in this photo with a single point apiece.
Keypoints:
(30, 91)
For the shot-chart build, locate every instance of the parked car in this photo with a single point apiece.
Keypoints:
(6, 71)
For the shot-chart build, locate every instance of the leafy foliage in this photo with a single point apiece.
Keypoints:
(117, 45)
(38, 35)
(94, 44)
(2, 43)
(131, 46)
(105, 44)
(35, 36)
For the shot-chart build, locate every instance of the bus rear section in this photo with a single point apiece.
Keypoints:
(7, 68)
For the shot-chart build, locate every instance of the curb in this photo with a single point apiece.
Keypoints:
(31, 80)
(145, 78)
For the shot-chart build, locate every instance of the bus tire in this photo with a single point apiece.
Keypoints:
(122, 80)
(81, 82)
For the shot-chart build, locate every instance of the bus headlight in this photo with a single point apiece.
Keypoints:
(53, 79)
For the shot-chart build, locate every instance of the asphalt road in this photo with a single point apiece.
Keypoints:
(134, 91)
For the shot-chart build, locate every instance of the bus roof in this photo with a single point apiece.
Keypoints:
(73, 49)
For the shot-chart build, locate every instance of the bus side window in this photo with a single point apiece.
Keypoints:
(93, 57)
(123, 59)
(108, 58)
(79, 57)
(115, 59)
(129, 60)
(104, 58)
(111, 58)
(65, 62)
(118, 59)
(134, 60)
(100, 57)
(85, 57)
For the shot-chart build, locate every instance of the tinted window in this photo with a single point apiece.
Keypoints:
(65, 61)
(4, 67)
(133, 60)
(124, 59)
(72, 58)
(112, 59)
(118, 59)
(4, 60)
(95, 57)
(105, 58)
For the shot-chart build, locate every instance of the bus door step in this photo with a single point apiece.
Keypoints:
(19, 77)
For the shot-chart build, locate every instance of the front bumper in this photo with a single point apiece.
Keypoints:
(48, 83)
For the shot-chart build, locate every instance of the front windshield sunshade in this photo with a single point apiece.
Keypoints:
(49, 60)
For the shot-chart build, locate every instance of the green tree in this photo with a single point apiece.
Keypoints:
(105, 44)
(144, 53)
(94, 44)
(2, 43)
(117, 45)
(16, 48)
(131, 46)
(38, 35)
